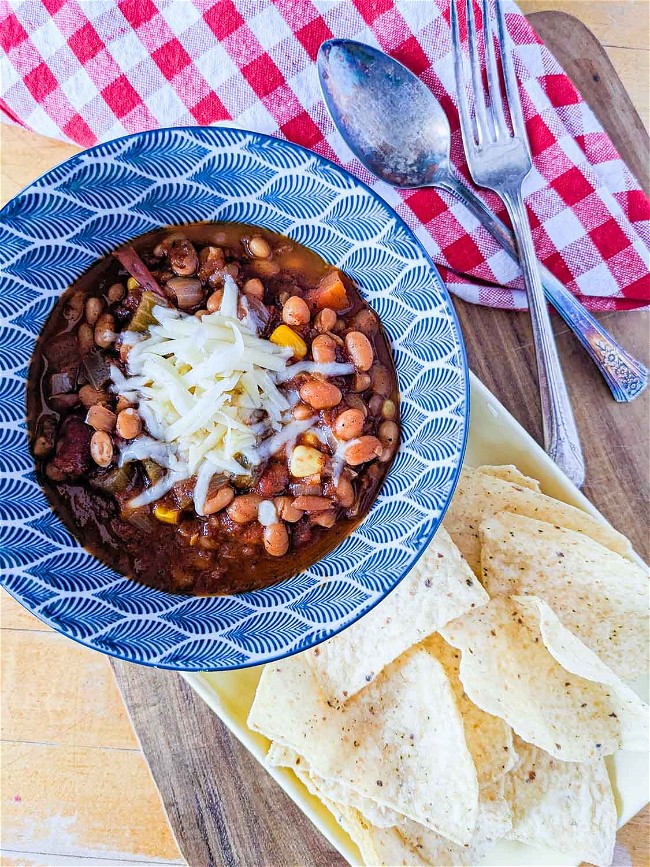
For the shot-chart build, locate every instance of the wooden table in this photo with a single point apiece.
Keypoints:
(75, 787)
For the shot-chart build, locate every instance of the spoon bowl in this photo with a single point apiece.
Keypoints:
(387, 116)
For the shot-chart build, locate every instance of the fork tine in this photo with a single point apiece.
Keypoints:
(512, 89)
(494, 85)
(480, 111)
(466, 126)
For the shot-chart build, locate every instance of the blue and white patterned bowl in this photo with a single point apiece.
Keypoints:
(58, 226)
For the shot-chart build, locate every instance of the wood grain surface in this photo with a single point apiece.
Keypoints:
(223, 806)
(74, 786)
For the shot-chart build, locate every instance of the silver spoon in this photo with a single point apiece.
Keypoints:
(397, 128)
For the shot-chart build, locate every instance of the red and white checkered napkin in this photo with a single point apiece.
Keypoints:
(90, 71)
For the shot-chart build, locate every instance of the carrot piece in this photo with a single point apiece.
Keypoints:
(330, 292)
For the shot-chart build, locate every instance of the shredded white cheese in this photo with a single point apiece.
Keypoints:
(206, 390)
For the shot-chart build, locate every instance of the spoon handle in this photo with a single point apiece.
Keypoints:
(625, 376)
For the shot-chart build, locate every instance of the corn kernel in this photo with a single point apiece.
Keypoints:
(166, 514)
(132, 284)
(285, 336)
(305, 461)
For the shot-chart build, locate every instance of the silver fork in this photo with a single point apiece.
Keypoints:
(500, 160)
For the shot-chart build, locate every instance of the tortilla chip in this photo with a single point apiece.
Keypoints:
(519, 663)
(510, 473)
(480, 496)
(410, 843)
(568, 806)
(333, 790)
(488, 737)
(597, 594)
(400, 741)
(440, 588)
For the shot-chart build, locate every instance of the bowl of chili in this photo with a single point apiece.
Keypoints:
(245, 392)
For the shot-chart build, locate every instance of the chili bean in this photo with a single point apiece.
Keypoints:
(360, 350)
(129, 424)
(259, 247)
(362, 450)
(355, 402)
(94, 307)
(325, 320)
(324, 519)
(100, 418)
(182, 257)
(380, 378)
(345, 492)
(388, 409)
(276, 540)
(286, 511)
(90, 396)
(295, 311)
(85, 338)
(301, 412)
(323, 349)
(219, 500)
(105, 330)
(388, 432)
(115, 293)
(349, 424)
(255, 288)
(366, 322)
(214, 301)
(312, 504)
(387, 453)
(319, 394)
(74, 307)
(360, 382)
(243, 508)
(188, 291)
(283, 296)
(375, 404)
(122, 403)
(232, 268)
(101, 448)
(266, 267)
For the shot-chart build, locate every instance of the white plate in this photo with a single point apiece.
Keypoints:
(494, 438)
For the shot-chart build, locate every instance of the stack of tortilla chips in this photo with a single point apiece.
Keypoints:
(478, 701)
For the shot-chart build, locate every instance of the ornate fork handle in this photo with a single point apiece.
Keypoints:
(625, 376)
(560, 433)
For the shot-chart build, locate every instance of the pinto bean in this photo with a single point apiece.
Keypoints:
(214, 301)
(388, 432)
(100, 418)
(323, 349)
(362, 450)
(324, 519)
(312, 504)
(286, 510)
(276, 540)
(360, 382)
(182, 257)
(295, 311)
(219, 500)
(94, 307)
(360, 350)
(129, 424)
(115, 293)
(388, 409)
(301, 411)
(74, 307)
(259, 247)
(243, 508)
(345, 492)
(349, 424)
(381, 379)
(320, 394)
(355, 402)
(105, 330)
(101, 448)
(365, 321)
(375, 404)
(325, 320)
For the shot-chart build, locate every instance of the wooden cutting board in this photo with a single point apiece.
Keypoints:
(223, 807)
